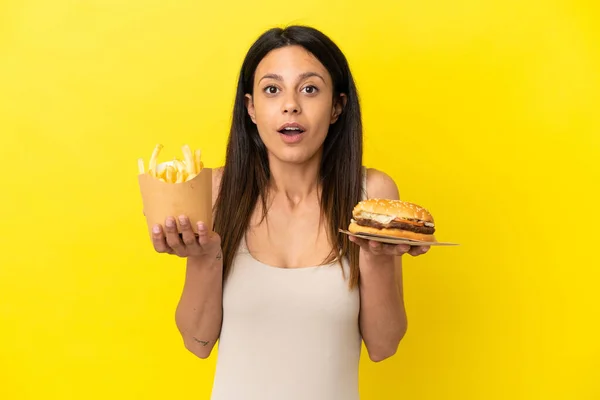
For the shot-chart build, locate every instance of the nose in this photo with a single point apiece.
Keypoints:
(291, 106)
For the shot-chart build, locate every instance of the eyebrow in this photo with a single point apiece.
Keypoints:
(302, 76)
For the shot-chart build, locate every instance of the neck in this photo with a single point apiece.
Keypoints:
(295, 182)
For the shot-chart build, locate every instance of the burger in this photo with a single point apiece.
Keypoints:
(392, 218)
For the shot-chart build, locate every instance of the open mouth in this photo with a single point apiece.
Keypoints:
(291, 129)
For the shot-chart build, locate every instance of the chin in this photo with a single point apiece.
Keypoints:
(295, 156)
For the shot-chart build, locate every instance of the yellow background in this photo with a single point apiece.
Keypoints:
(486, 111)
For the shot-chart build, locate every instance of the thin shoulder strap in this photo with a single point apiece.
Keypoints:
(364, 195)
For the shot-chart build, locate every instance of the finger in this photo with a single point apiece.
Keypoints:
(158, 240)
(169, 251)
(187, 233)
(173, 239)
(362, 243)
(401, 249)
(379, 248)
(358, 241)
(418, 250)
(375, 246)
(203, 234)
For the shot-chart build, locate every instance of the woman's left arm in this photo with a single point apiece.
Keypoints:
(382, 314)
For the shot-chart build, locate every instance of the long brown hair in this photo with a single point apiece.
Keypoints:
(246, 171)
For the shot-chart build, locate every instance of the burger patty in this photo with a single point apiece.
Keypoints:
(396, 225)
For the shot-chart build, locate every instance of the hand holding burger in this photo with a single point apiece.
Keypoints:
(395, 219)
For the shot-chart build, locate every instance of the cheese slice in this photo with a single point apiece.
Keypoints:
(386, 219)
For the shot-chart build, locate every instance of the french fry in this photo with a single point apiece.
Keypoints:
(154, 159)
(161, 171)
(179, 165)
(197, 160)
(176, 171)
(171, 174)
(189, 160)
(180, 176)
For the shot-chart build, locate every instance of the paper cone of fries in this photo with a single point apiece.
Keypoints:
(174, 188)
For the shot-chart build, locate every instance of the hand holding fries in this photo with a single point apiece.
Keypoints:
(204, 245)
(175, 171)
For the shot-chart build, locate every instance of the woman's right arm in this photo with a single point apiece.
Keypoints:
(199, 312)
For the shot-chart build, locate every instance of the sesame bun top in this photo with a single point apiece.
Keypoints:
(397, 208)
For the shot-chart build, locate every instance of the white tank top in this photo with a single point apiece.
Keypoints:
(288, 334)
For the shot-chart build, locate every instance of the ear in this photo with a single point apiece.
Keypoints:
(250, 107)
(338, 107)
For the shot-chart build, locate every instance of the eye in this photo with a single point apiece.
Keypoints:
(270, 90)
(310, 89)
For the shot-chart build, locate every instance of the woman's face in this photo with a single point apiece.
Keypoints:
(292, 104)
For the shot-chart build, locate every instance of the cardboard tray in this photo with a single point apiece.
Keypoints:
(393, 240)
(192, 198)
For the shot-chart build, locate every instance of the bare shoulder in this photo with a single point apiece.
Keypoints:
(381, 185)
(217, 173)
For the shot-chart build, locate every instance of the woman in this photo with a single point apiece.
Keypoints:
(276, 282)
